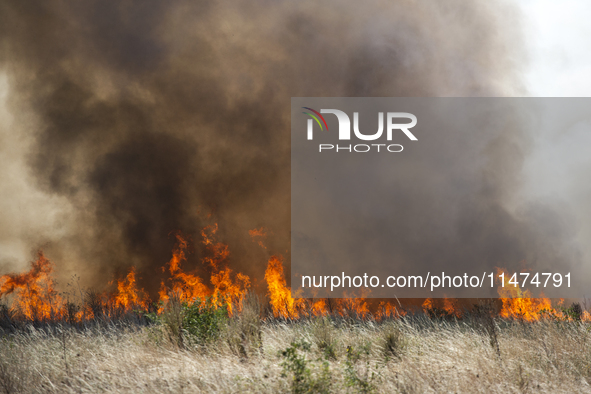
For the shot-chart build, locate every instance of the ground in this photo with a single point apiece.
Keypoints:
(415, 354)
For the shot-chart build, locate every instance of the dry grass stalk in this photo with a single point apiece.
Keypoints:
(426, 356)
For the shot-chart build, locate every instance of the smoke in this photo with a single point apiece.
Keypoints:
(452, 202)
(132, 120)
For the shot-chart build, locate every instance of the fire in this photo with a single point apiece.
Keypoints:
(128, 295)
(284, 305)
(259, 234)
(448, 309)
(320, 307)
(227, 288)
(450, 306)
(34, 290)
(519, 304)
(218, 251)
(387, 310)
(35, 298)
(282, 302)
(357, 306)
(188, 287)
(427, 305)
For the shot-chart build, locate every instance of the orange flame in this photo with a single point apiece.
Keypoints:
(450, 306)
(519, 304)
(228, 289)
(128, 296)
(282, 302)
(36, 297)
(259, 234)
(189, 287)
(387, 310)
(427, 305)
(448, 309)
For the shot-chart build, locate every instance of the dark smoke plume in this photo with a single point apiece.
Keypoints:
(137, 119)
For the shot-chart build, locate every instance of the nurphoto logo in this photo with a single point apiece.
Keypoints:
(392, 124)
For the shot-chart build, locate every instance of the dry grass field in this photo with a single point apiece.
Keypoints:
(411, 354)
(228, 339)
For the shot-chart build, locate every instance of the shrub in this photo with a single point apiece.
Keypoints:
(574, 312)
(361, 379)
(203, 321)
(198, 323)
(93, 303)
(304, 379)
(324, 337)
(393, 342)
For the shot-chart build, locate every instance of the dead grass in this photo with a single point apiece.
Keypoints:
(414, 355)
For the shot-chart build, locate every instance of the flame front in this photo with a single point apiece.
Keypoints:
(188, 287)
(520, 304)
(34, 296)
(227, 288)
(128, 296)
(280, 298)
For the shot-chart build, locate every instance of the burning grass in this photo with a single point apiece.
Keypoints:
(216, 334)
(32, 295)
(202, 347)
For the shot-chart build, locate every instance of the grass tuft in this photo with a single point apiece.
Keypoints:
(202, 349)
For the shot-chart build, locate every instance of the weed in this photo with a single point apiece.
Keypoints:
(243, 333)
(304, 380)
(393, 343)
(324, 337)
(203, 321)
(361, 379)
(198, 323)
(484, 313)
(93, 303)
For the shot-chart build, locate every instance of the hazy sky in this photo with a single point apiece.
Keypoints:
(559, 41)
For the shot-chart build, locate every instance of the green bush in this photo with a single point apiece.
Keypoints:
(323, 334)
(362, 380)
(203, 321)
(304, 379)
(198, 323)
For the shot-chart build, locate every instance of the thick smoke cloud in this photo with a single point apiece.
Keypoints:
(448, 203)
(140, 118)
